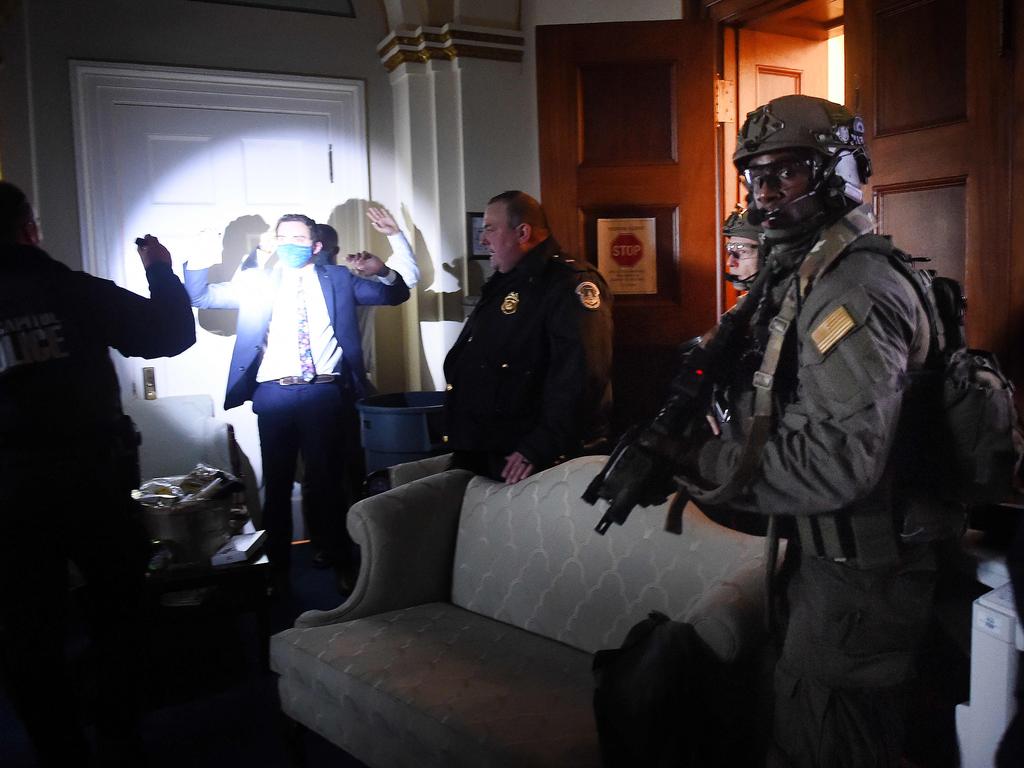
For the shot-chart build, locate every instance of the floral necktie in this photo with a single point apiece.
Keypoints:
(305, 353)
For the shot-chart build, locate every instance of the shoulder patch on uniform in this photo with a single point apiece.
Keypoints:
(590, 294)
(832, 329)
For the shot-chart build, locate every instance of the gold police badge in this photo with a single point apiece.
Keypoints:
(590, 295)
(511, 303)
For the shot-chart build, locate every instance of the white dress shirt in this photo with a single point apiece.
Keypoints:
(281, 356)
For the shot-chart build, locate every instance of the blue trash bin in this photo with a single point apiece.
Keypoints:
(401, 426)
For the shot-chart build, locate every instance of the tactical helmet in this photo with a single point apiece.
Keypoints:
(830, 131)
(738, 225)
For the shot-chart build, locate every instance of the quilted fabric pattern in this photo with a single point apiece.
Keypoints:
(528, 555)
(435, 685)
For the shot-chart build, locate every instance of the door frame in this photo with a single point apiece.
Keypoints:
(98, 87)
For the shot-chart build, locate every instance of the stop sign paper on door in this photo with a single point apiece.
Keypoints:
(627, 250)
(626, 255)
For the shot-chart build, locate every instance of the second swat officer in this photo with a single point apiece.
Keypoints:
(529, 376)
(742, 240)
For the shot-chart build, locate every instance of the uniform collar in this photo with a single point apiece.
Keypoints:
(536, 259)
(531, 265)
(14, 256)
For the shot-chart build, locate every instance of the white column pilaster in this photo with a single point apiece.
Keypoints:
(427, 88)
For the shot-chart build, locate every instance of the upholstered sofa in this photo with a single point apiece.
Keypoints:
(468, 639)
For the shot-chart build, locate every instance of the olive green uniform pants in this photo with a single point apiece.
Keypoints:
(848, 653)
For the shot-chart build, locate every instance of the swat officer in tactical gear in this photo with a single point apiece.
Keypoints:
(743, 262)
(529, 376)
(742, 240)
(841, 334)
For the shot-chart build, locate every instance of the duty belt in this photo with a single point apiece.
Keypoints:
(320, 378)
(868, 538)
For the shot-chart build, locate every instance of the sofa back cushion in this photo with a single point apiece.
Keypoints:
(528, 555)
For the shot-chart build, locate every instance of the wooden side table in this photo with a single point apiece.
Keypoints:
(190, 591)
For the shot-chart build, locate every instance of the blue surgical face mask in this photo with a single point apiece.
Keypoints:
(295, 255)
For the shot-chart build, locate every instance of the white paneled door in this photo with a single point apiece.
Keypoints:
(206, 161)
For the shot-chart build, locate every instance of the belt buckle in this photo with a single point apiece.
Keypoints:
(320, 378)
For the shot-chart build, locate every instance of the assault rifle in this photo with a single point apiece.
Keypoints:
(641, 469)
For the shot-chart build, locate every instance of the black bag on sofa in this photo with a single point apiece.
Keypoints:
(649, 695)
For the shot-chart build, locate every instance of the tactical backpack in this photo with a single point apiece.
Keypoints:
(970, 400)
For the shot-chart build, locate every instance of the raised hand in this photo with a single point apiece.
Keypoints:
(382, 221)
(151, 251)
(365, 264)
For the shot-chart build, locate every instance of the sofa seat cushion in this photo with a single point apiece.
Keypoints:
(444, 684)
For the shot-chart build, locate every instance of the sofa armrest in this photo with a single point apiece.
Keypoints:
(400, 474)
(730, 617)
(407, 542)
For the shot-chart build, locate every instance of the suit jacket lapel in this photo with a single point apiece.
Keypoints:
(270, 284)
(328, 288)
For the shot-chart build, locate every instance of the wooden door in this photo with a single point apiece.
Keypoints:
(627, 131)
(933, 80)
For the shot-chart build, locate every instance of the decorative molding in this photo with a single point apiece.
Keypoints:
(879, 192)
(321, 7)
(449, 42)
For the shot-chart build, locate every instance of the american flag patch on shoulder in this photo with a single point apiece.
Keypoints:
(832, 329)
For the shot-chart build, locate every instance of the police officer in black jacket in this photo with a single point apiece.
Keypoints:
(529, 376)
(67, 456)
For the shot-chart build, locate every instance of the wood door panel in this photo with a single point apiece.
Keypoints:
(602, 149)
(920, 85)
(772, 82)
(930, 218)
(935, 153)
(636, 96)
(639, 184)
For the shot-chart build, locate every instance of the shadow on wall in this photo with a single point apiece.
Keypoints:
(240, 237)
(439, 317)
(388, 371)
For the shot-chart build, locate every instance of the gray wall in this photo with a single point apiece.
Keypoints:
(36, 43)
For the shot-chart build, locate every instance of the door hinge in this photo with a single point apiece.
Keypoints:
(725, 101)
(330, 162)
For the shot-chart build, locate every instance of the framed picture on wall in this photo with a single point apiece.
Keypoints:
(474, 226)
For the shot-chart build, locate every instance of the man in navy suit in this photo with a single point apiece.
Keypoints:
(298, 356)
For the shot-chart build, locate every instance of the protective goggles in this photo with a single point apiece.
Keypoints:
(741, 251)
(780, 173)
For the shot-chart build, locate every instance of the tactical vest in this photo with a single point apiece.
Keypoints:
(864, 533)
